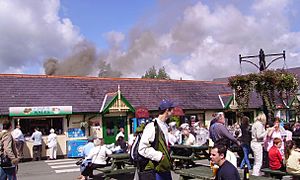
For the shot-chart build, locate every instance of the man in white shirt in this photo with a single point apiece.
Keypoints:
(37, 144)
(121, 133)
(160, 156)
(19, 140)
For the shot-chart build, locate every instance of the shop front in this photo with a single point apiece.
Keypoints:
(116, 112)
(44, 118)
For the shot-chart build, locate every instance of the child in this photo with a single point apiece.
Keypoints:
(275, 157)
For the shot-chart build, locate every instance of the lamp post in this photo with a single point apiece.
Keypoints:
(262, 66)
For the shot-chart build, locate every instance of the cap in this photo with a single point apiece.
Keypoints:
(172, 123)
(165, 104)
(185, 126)
(52, 130)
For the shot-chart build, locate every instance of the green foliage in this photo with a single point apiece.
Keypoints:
(105, 70)
(152, 73)
(175, 119)
(162, 74)
(265, 83)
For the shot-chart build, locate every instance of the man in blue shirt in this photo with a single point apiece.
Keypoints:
(37, 144)
(87, 148)
(226, 170)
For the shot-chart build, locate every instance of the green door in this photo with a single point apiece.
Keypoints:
(111, 127)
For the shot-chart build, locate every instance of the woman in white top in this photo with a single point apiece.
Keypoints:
(275, 132)
(52, 144)
(98, 156)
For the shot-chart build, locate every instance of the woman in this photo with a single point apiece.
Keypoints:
(8, 149)
(245, 141)
(52, 144)
(293, 162)
(98, 156)
(258, 134)
(275, 132)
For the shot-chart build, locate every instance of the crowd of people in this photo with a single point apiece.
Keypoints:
(271, 145)
(12, 145)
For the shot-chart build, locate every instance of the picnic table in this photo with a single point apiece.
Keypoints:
(279, 174)
(203, 172)
(119, 165)
(184, 155)
(119, 160)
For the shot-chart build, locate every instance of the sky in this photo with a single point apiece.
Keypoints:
(191, 39)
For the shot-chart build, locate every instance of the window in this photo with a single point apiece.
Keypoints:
(44, 124)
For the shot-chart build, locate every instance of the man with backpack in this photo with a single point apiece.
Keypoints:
(8, 152)
(154, 145)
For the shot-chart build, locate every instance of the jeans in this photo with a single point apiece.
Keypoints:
(8, 173)
(258, 157)
(37, 152)
(163, 176)
(246, 150)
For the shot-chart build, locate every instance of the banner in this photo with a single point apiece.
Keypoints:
(40, 111)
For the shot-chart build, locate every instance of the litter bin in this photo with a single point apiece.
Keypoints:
(75, 148)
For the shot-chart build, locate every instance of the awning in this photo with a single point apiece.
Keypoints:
(177, 111)
(142, 112)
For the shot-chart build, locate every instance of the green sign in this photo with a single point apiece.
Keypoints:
(40, 110)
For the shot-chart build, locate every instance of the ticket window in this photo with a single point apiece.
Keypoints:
(44, 125)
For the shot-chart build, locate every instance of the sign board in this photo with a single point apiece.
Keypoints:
(40, 111)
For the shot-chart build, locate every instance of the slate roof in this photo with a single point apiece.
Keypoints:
(86, 94)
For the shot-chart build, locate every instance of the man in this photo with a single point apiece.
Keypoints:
(218, 131)
(37, 144)
(87, 148)
(159, 158)
(19, 140)
(121, 133)
(9, 149)
(226, 170)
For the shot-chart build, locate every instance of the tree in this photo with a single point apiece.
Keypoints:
(162, 74)
(152, 73)
(105, 70)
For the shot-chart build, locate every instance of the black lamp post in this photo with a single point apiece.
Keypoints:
(262, 66)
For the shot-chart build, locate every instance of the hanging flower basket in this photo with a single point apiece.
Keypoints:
(265, 84)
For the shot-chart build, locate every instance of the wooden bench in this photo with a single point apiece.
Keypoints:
(184, 156)
(274, 173)
(108, 172)
(279, 174)
(203, 172)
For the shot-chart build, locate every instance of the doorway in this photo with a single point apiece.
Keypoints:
(111, 127)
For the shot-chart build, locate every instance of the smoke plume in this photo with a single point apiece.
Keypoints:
(79, 63)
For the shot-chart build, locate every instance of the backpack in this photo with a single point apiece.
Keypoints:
(4, 159)
(138, 160)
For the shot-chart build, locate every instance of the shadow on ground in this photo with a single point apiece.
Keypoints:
(121, 176)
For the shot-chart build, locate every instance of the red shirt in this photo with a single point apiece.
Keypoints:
(275, 158)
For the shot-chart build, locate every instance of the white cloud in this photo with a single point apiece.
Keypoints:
(205, 42)
(31, 31)
(199, 41)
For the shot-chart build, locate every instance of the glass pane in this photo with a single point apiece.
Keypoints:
(109, 128)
